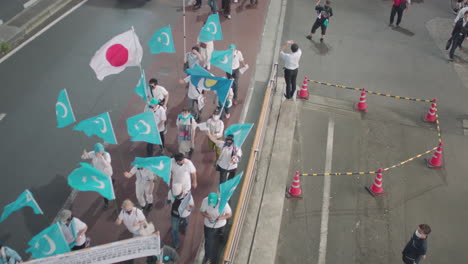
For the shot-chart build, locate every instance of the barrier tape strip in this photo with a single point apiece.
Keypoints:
(439, 134)
(370, 172)
(371, 92)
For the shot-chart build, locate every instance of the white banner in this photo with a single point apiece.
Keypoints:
(108, 253)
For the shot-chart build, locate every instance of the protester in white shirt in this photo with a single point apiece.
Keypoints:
(291, 67)
(158, 92)
(214, 224)
(226, 105)
(229, 158)
(179, 217)
(206, 49)
(183, 172)
(237, 61)
(186, 127)
(101, 160)
(215, 128)
(144, 186)
(160, 119)
(73, 230)
(132, 217)
(196, 96)
(8, 255)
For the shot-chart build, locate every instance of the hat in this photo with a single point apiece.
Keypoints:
(98, 147)
(229, 137)
(212, 199)
(176, 189)
(64, 215)
(154, 101)
(232, 46)
(216, 112)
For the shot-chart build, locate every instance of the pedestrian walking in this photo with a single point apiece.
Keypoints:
(196, 98)
(183, 172)
(460, 5)
(237, 61)
(459, 33)
(197, 4)
(397, 8)
(415, 250)
(193, 57)
(158, 92)
(8, 255)
(186, 127)
(291, 67)
(225, 106)
(168, 254)
(324, 13)
(132, 217)
(179, 216)
(212, 4)
(144, 186)
(229, 158)
(214, 224)
(73, 229)
(215, 129)
(160, 118)
(206, 49)
(226, 8)
(101, 160)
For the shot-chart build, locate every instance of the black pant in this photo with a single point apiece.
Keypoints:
(149, 146)
(290, 78)
(212, 241)
(235, 75)
(106, 202)
(226, 6)
(396, 10)
(319, 23)
(457, 40)
(79, 247)
(198, 3)
(225, 175)
(408, 260)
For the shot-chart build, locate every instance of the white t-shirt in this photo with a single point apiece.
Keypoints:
(182, 174)
(213, 212)
(224, 160)
(160, 115)
(130, 219)
(215, 127)
(191, 203)
(102, 164)
(236, 59)
(68, 233)
(159, 92)
(143, 176)
(193, 92)
(291, 60)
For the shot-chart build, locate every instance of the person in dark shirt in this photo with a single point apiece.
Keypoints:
(415, 250)
(459, 33)
(397, 8)
(323, 16)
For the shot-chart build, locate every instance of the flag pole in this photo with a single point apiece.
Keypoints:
(34, 200)
(183, 14)
(113, 132)
(142, 72)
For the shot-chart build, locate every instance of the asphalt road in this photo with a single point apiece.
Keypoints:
(360, 50)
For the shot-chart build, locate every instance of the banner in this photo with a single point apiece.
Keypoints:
(108, 253)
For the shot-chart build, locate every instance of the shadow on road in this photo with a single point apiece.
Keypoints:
(404, 31)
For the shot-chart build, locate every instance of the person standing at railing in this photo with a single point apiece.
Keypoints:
(291, 66)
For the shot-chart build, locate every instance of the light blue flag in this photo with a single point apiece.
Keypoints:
(218, 84)
(160, 165)
(222, 59)
(162, 41)
(88, 178)
(143, 127)
(211, 30)
(240, 133)
(227, 189)
(198, 70)
(100, 126)
(63, 110)
(24, 199)
(140, 88)
(48, 243)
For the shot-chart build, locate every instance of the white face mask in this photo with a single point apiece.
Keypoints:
(216, 117)
(419, 234)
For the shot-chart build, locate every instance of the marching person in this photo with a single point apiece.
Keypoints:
(227, 104)
(186, 126)
(415, 250)
(193, 57)
(144, 186)
(169, 256)
(183, 172)
(459, 33)
(291, 67)
(237, 61)
(101, 160)
(229, 158)
(175, 197)
(8, 255)
(206, 48)
(214, 224)
(215, 129)
(324, 13)
(397, 8)
(73, 229)
(158, 92)
(196, 96)
(160, 118)
(226, 8)
(132, 217)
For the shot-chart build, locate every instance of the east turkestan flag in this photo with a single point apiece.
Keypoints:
(211, 30)
(100, 126)
(88, 178)
(162, 41)
(49, 242)
(160, 165)
(222, 59)
(121, 51)
(63, 110)
(140, 88)
(227, 189)
(24, 199)
(240, 133)
(143, 127)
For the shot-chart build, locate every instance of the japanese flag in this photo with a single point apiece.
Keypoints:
(122, 51)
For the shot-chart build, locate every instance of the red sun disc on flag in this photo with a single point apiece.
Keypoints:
(117, 55)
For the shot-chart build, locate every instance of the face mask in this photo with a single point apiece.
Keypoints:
(180, 164)
(129, 212)
(216, 117)
(228, 143)
(419, 234)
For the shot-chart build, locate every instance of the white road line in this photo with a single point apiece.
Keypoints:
(2, 115)
(11, 53)
(326, 194)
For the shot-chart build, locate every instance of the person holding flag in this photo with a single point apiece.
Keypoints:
(184, 172)
(186, 126)
(73, 230)
(158, 92)
(229, 158)
(215, 128)
(144, 186)
(8, 255)
(132, 217)
(160, 118)
(214, 223)
(225, 107)
(237, 61)
(196, 96)
(192, 58)
(181, 206)
(101, 160)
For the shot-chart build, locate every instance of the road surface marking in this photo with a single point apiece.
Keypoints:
(2, 115)
(29, 3)
(326, 194)
(11, 53)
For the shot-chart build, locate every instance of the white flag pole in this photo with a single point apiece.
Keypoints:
(142, 73)
(183, 14)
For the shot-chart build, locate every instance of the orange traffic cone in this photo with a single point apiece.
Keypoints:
(376, 188)
(295, 189)
(430, 117)
(304, 93)
(436, 161)
(362, 105)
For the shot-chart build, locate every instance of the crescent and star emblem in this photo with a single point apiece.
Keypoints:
(225, 59)
(215, 28)
(160, 167)
(168, 41)
(52, 245)
(104, 126)
(146, 125)
(65, 109)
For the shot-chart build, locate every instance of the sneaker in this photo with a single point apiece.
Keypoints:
(309, 37)
(228, 16)
(390, 25)
(228, 116)
(321, 39)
